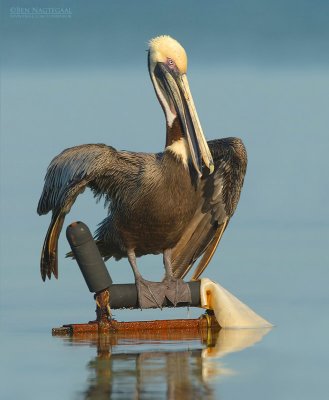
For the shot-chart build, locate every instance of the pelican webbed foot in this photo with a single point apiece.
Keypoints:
(150, 294)
(177, 291)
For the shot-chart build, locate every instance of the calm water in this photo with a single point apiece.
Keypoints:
(271, 88)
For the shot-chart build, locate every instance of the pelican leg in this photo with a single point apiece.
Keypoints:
(177, 291)
(150, 294)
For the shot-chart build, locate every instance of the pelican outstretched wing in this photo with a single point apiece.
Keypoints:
(67, 176)
(219, 195)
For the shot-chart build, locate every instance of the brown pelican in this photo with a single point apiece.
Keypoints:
(177, 202)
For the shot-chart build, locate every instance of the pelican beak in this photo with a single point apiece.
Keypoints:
(176, 90)
(197, 142)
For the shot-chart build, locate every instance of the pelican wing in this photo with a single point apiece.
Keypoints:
(219, 195)
(67, 176)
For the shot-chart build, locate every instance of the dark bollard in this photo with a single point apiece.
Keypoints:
(88, 257)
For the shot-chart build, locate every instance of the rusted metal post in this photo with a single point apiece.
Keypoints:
(103, 312)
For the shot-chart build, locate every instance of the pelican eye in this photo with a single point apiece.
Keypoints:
(171, 63)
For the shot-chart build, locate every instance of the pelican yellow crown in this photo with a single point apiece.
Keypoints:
(164, 47)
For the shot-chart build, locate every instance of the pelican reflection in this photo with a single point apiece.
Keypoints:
(173, 369)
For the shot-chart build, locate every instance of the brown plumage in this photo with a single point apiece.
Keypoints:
(219, 194)
(170, 202)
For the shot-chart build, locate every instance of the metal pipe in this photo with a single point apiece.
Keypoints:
(125, 296)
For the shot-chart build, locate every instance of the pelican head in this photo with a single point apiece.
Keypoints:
(167, 62)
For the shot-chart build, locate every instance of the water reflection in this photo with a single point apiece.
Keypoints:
(180, 367)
